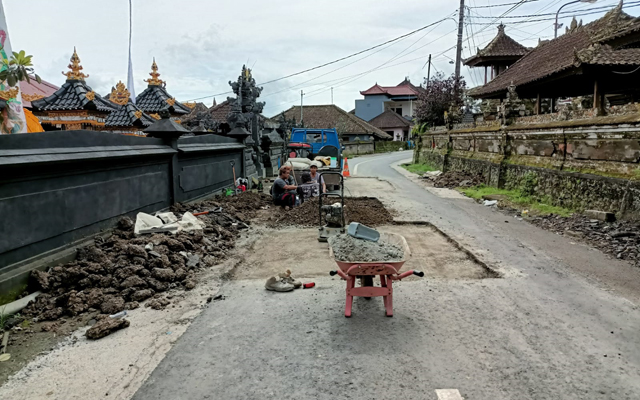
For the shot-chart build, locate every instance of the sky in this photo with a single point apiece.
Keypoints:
(201, 45)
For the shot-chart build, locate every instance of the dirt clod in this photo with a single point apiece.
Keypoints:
(366, 210)
(106, 327)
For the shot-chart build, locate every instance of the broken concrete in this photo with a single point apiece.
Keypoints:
(600, 215)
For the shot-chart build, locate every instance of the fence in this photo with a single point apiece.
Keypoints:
(576, 164)
(59, 187)
(358, 148)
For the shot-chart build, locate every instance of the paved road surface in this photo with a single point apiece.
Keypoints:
(560, 324)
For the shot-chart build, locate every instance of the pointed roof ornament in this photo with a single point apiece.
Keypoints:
(155, 80)
(214, 102)
(119, 94)
(75, 67)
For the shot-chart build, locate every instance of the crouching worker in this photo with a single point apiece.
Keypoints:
(284, 194)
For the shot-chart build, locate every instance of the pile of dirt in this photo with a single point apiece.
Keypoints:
(455, 179)
(348, 248)
(243, 207)
(119, 272)
(366, 210)
(621, 239)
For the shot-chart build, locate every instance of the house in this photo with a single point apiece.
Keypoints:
(349, 127)
(393, 124)
(378, 99)
(498, 55)
(599, 58)
(128, 118)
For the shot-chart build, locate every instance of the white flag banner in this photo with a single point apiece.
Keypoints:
(130, 83)
(12, 118)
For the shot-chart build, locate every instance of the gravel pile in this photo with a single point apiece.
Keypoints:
(621, 239)
(121, 271)
(366, 210)
(454, 179)
(348, 248)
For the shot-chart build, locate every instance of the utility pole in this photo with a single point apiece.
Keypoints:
(429, 70)
(301, 96)
(331, 94)
(459, 47)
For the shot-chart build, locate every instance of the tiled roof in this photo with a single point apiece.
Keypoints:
(35, 91)
(502, 46)
(585, 44)
(404, 88)
(154, 99)
(129, 115)
(219, 112)
(331, 116)
(390, 119)
(73, 96)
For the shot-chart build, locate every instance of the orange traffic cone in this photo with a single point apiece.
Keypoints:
(345, 168)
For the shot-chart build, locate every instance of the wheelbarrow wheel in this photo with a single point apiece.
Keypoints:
(367, 280)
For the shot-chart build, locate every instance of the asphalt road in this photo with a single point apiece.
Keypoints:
(561, 323)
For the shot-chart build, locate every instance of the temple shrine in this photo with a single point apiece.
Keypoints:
(155, 98)
(127, 119)
(75, 105)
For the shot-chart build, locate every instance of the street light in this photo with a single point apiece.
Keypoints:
(555, 34)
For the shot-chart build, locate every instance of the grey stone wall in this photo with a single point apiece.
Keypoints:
(59, 187)
(358, 148)
(581, 167)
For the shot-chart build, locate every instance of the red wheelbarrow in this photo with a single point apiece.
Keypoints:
(388, 272)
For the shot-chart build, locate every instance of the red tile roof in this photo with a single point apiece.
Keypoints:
(405, 88)
(34, 89)
(586, 44)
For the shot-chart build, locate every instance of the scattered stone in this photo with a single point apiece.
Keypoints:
(141, 295)
(112, 304)
(158, 304)
(105, 327)
(193, 260)
(600, 215)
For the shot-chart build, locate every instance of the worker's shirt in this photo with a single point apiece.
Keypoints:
(317, 179)
(309, 190)
(278, 188)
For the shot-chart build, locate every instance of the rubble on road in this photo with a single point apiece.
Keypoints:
(119, 272)
(619, 239)
(454, 179)
(106, 327)
(365, 210)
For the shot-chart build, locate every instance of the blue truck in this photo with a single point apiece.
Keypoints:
(316, 142)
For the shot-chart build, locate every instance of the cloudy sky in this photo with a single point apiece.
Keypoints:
(200, 45)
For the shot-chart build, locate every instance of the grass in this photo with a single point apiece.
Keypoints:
(3, 318)
(419, 168)
(516, 198)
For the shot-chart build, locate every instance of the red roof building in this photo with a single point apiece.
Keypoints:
(399, 99)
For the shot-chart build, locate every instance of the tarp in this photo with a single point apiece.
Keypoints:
(33, 123)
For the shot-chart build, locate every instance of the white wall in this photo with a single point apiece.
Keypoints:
(408, 107)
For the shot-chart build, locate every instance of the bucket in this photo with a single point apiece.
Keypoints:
(360, 231)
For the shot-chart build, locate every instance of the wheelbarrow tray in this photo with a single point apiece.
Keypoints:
(375, 267)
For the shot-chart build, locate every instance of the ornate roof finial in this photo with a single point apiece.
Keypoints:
(119, 94)
(501, 28)
(155, 80)
(246, 72)
(75, 67)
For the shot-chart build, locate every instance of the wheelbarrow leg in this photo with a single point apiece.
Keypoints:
(350, 285)
(388, 299)
(383, 283)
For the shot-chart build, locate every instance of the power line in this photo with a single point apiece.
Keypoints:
(553, 14)
(337, 60)
(550, 18)
(503, 4)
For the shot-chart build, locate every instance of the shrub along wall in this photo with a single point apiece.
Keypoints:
(588, 164)
(387, 146)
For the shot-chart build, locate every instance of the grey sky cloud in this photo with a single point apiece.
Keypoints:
(200, 45)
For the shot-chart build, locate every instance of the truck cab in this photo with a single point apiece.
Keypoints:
(320, 142)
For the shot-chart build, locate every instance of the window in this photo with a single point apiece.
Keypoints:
(314, 137)
(398, 110)
(345, 138)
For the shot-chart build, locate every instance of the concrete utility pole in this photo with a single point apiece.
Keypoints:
(301, 95)
(429, 70)
(459, 47)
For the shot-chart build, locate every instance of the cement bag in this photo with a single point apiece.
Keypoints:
(323, 159)
(300, 160)
(317, 163)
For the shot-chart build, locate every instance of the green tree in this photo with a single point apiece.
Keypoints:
(17, 69)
